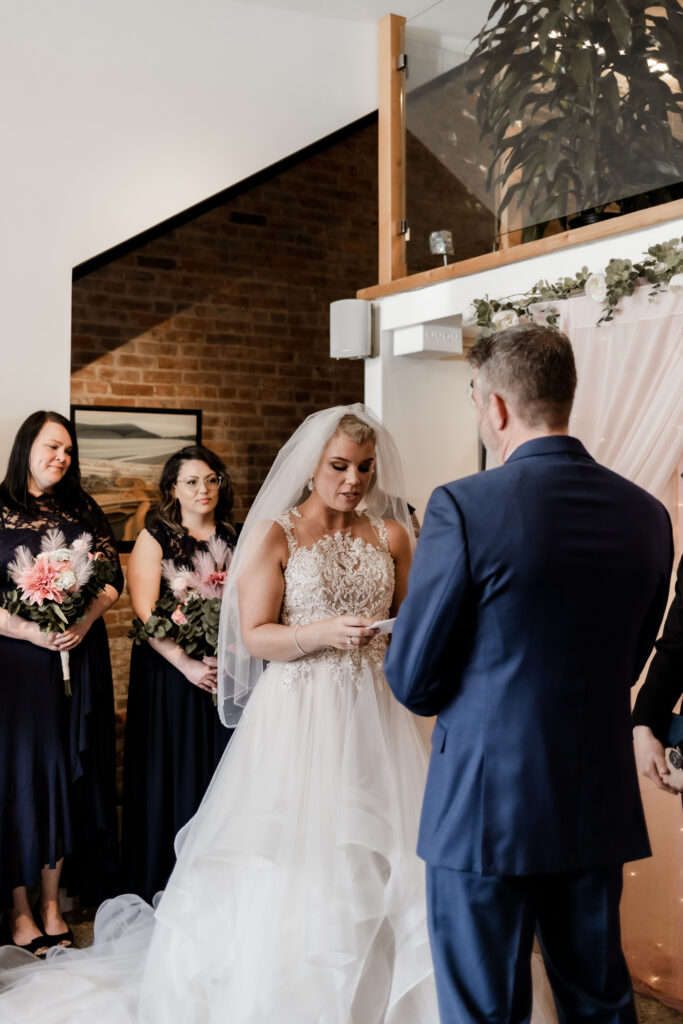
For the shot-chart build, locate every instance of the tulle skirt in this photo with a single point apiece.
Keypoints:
(297, 897)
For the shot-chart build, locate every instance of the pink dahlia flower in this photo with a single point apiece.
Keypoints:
(39, 581)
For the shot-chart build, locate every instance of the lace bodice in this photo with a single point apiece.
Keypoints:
(338, 575)
(27, 527)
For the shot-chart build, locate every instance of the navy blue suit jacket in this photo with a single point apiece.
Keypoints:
(533, 603)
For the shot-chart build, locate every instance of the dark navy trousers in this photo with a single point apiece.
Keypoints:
(482, 928)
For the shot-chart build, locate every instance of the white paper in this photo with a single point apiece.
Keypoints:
(385, 625)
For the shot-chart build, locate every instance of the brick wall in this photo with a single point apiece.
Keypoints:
(229, 312)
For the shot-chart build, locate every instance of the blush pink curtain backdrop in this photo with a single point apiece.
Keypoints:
(629, 414)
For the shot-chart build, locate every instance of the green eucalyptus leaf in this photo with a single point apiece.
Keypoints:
(622, 275)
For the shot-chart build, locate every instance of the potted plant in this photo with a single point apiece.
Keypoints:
(579, 98)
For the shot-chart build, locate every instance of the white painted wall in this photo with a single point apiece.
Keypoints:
(117, 116)
(425, 405)
(424, 402)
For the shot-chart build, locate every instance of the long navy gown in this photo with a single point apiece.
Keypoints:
(57, 753)
(174, 741)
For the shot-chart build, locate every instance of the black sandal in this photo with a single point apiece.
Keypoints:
(52, 940)
(30, 947)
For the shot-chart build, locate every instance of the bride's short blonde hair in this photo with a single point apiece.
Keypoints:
(355, 429)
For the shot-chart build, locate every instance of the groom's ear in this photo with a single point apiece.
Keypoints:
(498, 411)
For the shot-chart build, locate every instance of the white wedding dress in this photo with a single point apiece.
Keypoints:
(297, 897)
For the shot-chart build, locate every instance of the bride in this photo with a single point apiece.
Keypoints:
(297, 897)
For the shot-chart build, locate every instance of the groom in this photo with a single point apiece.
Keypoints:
(533, 603)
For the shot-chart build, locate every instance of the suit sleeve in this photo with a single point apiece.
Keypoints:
(664, 683)
(418, 665)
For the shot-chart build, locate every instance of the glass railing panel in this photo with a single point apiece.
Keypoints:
(451, 167)
(446, 160)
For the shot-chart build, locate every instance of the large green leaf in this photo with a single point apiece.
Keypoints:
(520, 100)
(620, 22)
(587, 158)
(553, 157)
(547, 26)
(501, 3)
(610, 92)
(668, 34)
(581, 67)
(580, 136)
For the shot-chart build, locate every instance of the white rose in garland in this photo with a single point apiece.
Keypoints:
(676, 284)
(596, 287)
(504, 318)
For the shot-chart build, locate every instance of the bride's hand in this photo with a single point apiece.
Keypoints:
(345, 632)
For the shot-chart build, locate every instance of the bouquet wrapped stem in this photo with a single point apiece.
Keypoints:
(66, 671)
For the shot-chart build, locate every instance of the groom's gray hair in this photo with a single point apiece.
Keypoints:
(533, 367)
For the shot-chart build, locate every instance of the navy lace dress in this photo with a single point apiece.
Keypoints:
(174, 741)
(57, 753)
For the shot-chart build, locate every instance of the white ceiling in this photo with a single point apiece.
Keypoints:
(460, 20)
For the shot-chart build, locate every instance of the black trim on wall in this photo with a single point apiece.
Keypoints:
(150, 234)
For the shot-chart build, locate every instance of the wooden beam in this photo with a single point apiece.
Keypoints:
(515, 254)
(391, 150)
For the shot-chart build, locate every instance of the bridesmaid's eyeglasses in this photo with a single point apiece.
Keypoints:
(212, 483)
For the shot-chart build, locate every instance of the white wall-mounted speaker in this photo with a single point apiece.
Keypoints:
(350, 329)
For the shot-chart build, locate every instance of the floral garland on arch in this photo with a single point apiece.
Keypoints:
(662, 267)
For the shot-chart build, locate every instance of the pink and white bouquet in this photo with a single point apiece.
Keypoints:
(55, 586)
(189, 611)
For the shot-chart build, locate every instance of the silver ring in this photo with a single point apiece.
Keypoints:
(348, 641)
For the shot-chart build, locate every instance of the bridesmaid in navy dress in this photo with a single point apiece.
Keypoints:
(57, 759)
(174, 738)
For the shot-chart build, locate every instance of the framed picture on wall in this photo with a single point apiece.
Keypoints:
(122, 451)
